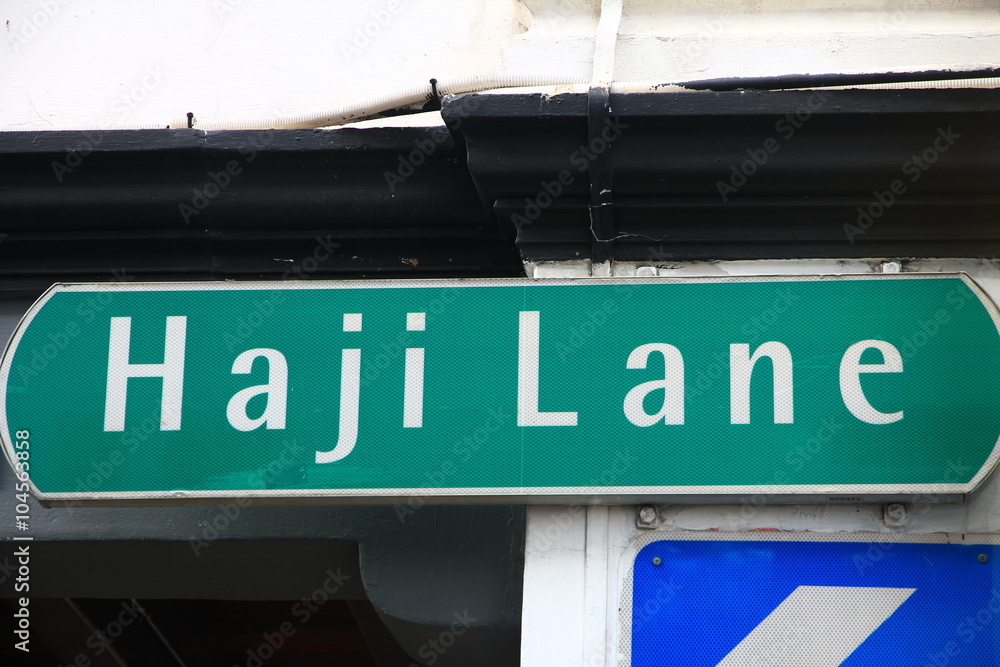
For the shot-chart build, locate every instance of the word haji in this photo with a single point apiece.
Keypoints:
(671, 411)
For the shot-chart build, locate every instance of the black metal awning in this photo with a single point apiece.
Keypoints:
(690, 176)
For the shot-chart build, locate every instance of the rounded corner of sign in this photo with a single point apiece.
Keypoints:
(639, 546)
(18, 331)
(978, 482)
(973, 285)
(46, 499)
(49, 291)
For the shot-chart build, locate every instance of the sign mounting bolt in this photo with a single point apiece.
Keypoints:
(895, 514)
(656, 560)
(647, 517)
(982, 558)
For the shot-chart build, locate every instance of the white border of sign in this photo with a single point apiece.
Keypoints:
(856, 493)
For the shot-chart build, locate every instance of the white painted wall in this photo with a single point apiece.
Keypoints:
(71, 63)
(77, 62)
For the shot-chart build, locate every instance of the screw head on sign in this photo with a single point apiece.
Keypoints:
(656, 560)
(647, 514)
(982, 558)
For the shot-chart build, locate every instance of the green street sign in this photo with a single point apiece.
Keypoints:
(612, 390)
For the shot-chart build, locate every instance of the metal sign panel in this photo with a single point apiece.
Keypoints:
(723, 603)
(838, 386)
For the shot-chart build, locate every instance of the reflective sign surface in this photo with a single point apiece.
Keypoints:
(842, 385)
(813, 604)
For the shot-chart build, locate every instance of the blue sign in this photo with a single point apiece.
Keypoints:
(815, 604)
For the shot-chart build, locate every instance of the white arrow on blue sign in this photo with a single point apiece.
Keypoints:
(722, 603)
